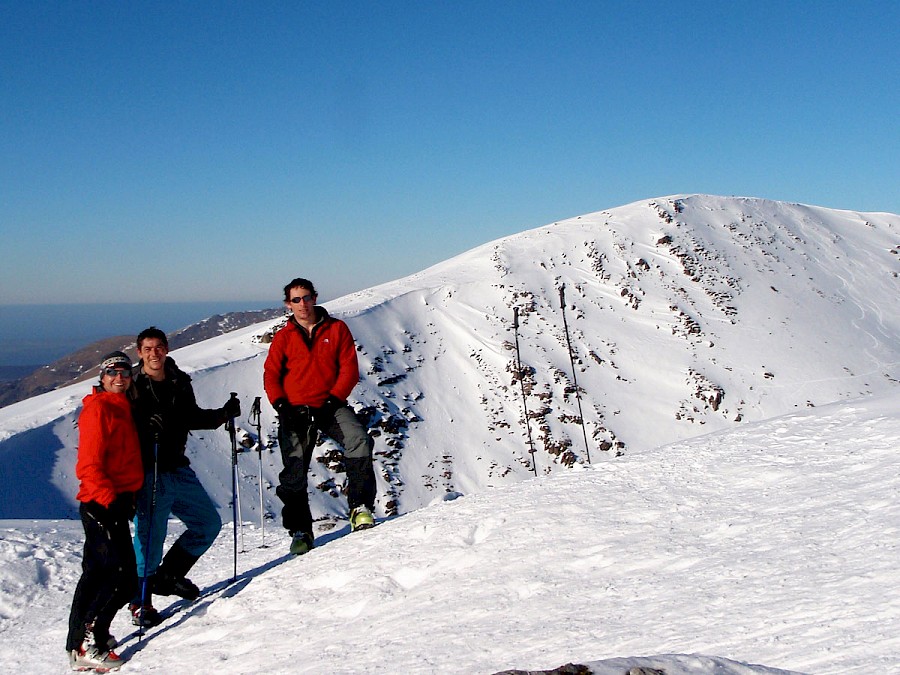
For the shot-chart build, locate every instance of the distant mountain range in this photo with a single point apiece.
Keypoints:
(82, 364)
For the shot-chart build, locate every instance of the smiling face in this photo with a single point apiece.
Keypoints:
(153, 352)
(116, 380)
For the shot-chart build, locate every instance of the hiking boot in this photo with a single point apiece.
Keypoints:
(361, 519)
(301, 542)
(145, 616)
(171, 575)
(92, 658)
(90, 640)
(183, 587)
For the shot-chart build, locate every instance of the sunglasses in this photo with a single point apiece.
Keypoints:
(305, 298)
(112, 372)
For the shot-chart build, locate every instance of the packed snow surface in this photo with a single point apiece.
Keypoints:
(775, 544)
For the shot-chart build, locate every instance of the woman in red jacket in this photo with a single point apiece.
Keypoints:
(110, 470)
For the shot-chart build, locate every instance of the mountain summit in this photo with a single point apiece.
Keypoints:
(687, 314)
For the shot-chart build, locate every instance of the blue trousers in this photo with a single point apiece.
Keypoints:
(178, 493)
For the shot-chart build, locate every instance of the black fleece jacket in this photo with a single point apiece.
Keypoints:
(173, 401)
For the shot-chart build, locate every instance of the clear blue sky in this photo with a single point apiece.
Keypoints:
(174, 151)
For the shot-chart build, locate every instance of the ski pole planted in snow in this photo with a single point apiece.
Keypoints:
(255, 419)
(235, 488)
(522, 383)
(562, 305)
(147, 543)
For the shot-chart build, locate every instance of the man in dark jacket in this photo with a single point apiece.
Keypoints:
(165, 411)
(308, 375)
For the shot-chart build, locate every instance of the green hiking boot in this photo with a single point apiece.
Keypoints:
(301, 542)
(361, 519)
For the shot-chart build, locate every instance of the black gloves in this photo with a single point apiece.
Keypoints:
(297, 417)
(121, 509)
(292, 417)
(282, 407)
(325, 413)
(124, 506)
(232, 407)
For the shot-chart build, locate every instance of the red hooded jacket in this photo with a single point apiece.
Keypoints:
(109, 452)
(305, 370)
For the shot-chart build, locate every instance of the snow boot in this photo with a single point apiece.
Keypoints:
(82, 659)
(301, 542)
(170, 576)
(145, 616)
(183, 588)
(361, 519)
(97, 658)
(90, 639)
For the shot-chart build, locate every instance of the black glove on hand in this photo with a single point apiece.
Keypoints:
(123, 507)
(283, 408)
(100, 513)
(325, 413)
(292, 417)
(157, 425)
(332, 403)
(232, 407)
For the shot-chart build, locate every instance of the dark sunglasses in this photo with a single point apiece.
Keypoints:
(112, 372)
(305, 298)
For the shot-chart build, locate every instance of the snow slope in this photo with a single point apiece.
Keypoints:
(773, 544)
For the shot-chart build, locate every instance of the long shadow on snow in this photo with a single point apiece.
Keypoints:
(185, 609)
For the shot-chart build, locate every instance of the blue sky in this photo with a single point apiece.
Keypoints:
(167, 151)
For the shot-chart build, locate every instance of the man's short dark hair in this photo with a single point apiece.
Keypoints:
(302, 283)
(152, 332)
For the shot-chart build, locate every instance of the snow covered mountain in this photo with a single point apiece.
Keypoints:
(737, 365)
(686, 315)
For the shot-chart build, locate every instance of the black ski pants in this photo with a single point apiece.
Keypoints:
(297, 438)
(108, 576)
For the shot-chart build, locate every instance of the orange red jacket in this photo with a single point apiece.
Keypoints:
(307, 369)
(109, 452)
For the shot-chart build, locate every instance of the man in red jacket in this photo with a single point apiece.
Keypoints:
(110, 470)
(308, 375)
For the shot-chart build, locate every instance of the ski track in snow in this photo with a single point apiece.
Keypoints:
(774, 544)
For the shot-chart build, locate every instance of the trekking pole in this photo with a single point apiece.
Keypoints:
(149, 538)
(255, 418)
(562, 305)
(235, 489)
(522, 383)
